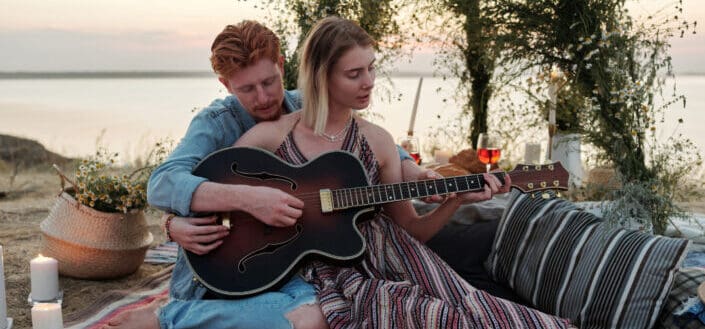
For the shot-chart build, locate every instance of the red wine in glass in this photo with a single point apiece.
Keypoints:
(411, 145)
(489, 156)
(488, 151)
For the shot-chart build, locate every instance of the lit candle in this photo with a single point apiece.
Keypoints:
(442, 156)
(44, 272)
(3, 302)
(47, 316)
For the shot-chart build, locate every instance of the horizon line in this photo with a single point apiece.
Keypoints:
(120, 74)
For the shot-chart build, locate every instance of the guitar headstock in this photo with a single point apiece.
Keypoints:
(532, 178)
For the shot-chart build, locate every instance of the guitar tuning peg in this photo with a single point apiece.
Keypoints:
(558, 194)
(545, 195)
(532, 195)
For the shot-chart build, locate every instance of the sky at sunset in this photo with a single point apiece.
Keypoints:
(119, 35)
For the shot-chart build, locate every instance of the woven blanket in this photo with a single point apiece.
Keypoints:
(162, 254)
(116, 302)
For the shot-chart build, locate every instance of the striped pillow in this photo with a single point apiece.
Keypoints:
(568, 262)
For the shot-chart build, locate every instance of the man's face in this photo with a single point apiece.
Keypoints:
(259, 88)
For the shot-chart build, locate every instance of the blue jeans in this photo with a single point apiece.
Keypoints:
(266, 310)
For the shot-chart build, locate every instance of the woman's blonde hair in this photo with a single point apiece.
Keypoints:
(327, 41)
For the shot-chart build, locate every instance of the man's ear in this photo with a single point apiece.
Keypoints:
(225, 83)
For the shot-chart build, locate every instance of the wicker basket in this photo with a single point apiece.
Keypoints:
(91, 244)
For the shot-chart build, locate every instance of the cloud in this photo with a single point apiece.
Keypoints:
(70, 50)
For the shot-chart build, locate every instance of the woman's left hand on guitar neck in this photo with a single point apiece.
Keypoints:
(413, 172)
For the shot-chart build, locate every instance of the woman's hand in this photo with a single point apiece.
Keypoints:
(492, 186)
(198, 235)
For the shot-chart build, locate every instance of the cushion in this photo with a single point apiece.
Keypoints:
(569, 262)
(685, 287)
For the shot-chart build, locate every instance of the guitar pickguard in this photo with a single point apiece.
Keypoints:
(263, 176)
(268, 249)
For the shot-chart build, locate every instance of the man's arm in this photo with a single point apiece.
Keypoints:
(172, 185)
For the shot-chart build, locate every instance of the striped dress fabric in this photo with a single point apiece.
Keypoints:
(400, 283)
(571, 263)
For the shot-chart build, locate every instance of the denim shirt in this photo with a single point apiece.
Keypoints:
(172, 184)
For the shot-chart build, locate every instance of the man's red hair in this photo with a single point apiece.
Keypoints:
(241, 45)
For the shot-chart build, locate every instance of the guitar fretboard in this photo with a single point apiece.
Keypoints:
(380, 194)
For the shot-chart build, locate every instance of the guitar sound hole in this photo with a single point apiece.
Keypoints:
(269, 248)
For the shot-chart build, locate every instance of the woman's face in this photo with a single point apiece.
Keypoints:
(352, 78)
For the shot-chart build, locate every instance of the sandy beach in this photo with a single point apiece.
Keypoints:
(24, 206)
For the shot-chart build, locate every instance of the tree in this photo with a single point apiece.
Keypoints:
(293, 20)
(615, 69)
(470, 55)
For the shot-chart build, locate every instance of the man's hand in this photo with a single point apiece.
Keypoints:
(273, 207)
(198, 235)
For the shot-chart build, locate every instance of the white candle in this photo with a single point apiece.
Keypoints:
(553, 86)
(47, 316)
(3, 302)
(44, 272)
(442, 156)
(532, 153)
(410, 132)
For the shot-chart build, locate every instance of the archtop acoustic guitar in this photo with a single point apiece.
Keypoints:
(334, 187)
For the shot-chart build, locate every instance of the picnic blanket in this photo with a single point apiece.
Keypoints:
(116, 302)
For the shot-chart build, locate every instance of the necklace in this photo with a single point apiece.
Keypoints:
(337, 136)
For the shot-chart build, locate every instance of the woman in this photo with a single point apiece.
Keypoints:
(399, 283)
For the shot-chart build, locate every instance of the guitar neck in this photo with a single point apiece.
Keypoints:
(338, 199)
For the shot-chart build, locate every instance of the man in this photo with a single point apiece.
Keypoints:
(247, 59)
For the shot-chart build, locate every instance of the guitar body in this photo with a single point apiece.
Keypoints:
(255, 256)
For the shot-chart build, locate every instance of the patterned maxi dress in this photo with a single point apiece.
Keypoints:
(400, 283)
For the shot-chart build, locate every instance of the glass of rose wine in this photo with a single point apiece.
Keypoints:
(488, 151)
(411, 145)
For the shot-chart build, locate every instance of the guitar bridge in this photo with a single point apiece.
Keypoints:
(326, 200)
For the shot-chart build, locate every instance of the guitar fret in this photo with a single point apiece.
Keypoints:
(473, 182)
(362, 195)
(462, 184)
(397, 190)
(443, 189)
(430, 188)
(450, 185)
(390, 193)
(356, 197)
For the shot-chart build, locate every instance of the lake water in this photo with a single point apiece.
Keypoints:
(71, 116)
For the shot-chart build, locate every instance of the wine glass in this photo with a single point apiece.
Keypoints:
(411, 145)
(488, 151)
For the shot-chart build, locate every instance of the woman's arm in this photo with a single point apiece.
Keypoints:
(403, 213)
